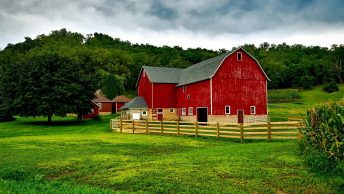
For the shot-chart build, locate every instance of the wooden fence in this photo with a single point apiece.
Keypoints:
(268, 131)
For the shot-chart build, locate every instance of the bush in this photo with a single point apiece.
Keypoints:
(331, 87)
(323, 137)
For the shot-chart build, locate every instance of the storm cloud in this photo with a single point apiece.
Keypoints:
(188, 23)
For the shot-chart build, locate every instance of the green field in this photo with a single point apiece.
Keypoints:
(83, 157)
(309, 98)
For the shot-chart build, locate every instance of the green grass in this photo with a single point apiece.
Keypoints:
(309, 98)
(83, 157)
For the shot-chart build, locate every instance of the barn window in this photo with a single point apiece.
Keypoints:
(171, 110)
(159, 111)
(144, 112)
(190, 111)
(253, 110)
(183, 111)
(188, 96)
(184, 89)
(227, 110)
(239, 56)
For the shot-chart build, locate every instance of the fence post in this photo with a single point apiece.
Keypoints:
(218, 130)
(241, 132)
(161, 127)
(177, 128)
(120, 125)
(133, 126)
(196, 129)
(269, 131)
(146, 126)
(299, 137)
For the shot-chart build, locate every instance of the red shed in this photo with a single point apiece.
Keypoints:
(118, 102)
(228, 88)
(104, 104)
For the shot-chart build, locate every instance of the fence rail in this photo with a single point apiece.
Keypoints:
(268, 131)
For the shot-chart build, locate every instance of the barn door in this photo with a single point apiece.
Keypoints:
(160, 114)
(240, 116)
(202, 114)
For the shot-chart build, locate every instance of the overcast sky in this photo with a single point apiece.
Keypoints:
(212, 24)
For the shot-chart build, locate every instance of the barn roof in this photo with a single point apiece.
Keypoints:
(100, 98)
(137, 102)
(163, 74)
(121, 98)
(198, 72)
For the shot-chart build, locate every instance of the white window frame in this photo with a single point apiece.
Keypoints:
(254, 108)
(190, 111)
(229, 110)
(183, 111)
(239, 53)
(144, 112)
(171, 110)
(157, 110)
(184, 89)
(188, 96)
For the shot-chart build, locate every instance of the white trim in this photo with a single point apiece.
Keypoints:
(226, 110)
(172, 110)
(254, 108)
(211, 96)
(190, 108)
(116, 106)
(266, 88)
(144, 111)
(188, 97)
(162, 111)
(246, 53)
(152, 95)
(184, 88)
(183, 110)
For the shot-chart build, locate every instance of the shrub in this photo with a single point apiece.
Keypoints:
(331, 87)
(323, 137)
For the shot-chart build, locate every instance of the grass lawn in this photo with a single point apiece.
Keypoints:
(83, 157)
(309, 98)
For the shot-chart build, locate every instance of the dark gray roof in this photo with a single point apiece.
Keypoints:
(163, 74)
(137, 102)
(201, 71)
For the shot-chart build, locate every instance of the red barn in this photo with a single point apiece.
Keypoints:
(229, 87)
(104, 104)
(118, 102)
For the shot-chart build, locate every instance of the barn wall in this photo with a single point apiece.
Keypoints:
(239, 84)
(164, 95)
(199, 97)
(106, 108)
(144, 89)
(119, 105)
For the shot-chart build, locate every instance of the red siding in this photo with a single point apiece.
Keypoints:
(106, 107)
(239, 84)
(118, 105)
(144, 89)
(199, 96)
(164, 95)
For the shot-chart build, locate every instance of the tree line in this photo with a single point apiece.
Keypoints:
(39, 76)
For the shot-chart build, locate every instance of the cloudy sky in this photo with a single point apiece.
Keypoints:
(212, 24)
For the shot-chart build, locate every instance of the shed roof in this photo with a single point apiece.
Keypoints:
(137, 102)
(121, 98)
(100, 98)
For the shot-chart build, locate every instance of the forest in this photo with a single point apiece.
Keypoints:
(117, 63)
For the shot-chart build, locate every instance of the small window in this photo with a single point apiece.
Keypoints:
(227, 110)
(183, 111)
(159, 111)
(171, 110)
(253, 110)
(188, 97)
(144, 112)
(190, 111)
(239, 56)
(184, 89)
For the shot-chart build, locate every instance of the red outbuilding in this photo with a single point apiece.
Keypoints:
(104, 104)
(118, 102)
(227, 88)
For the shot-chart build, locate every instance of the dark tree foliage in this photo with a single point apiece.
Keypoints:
(112, 86)
(331, 87)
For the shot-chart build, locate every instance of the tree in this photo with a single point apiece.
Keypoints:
(53, 83)
(113, 86)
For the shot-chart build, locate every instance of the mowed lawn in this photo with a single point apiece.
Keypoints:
(74, 157)
(309, 99)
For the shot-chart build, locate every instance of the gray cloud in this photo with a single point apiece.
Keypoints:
(204, 18)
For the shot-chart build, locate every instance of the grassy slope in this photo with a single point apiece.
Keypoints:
(86, 158)
(310, 98)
